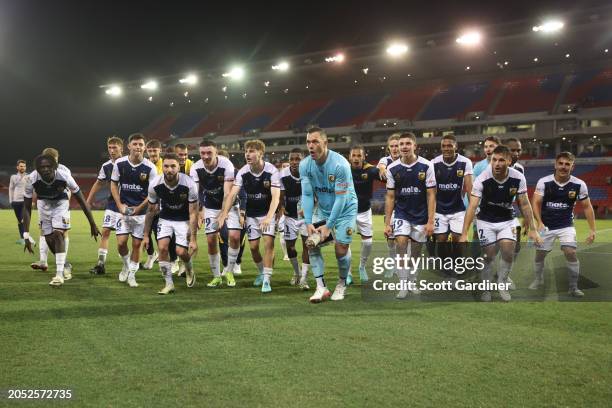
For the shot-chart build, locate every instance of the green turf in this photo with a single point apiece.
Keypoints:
(116, 346)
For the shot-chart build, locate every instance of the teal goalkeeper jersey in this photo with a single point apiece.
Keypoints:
(332, 185)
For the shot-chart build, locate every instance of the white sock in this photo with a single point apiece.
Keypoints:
(66, 244)
(232, 255)
(60, 260)
(503, 271)
(43, 249)
(214, 261)
(366, 249)
(166, 268)
(391, 247)
(304, 270)
(296, 266)
(283, 245)
(126, 262)
(539, 271)
(267, 273)
(102, 256)
(189, 265)
(133, 266)
(260, 267)
(320, 282)
(574, 273)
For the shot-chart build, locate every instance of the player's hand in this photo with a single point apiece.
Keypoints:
(388, 231)
(193, 247)
(537, 239)
(95, 232)
(146, 242)
(463, 238)
(265, 223)
(382, 173)
(200, 220)
(122, 208)
(540, 227)
(591, 237)
(525, 227)
(311, 229)
(324, 231)
(242, 219)
(28, 246)
(429, 229)
(221, 219)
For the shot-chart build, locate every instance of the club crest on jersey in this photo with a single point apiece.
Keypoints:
(513, 191)
(331, 178)
(60, 189)
(421, 175)
(364, 176)
(571, 194)
(459, 173)
(144, 176)
(266, 183)
(220, 179)
(183, 196)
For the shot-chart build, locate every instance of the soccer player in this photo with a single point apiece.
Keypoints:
(261, 183)
(326, 177)
(383, 163)
(515, 151)
(490, 143)
(214, 176)
(51, 186)
(453, 174)
(43, 250)
(364, 175)
(280, 225)
(154, 148)
(17, 185)
(185, 162)
(129, 186)
(114, 145)
(493, 193)
(290, 197)
(177, 196)
(411, 197)
(553, 204)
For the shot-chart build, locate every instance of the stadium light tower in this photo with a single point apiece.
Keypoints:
(470, 39)
(549, 27)
(282, 66)
(149, 85)
(236, 73)
(397, 49)
(114, 91)
(190, 79)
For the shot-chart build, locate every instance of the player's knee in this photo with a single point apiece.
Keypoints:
(181, 252)
(570, 254)
(291, 252)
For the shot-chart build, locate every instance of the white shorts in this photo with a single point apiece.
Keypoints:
(254, 231)
(211, 225)
(364, 223)
(445, 223)
(403, 228)
(280, 226)
(110, 219)
(491, 232)
(567, 237)
(517, 222)
(180, 229)
(131, 225)
(294, 227)
(53, 215)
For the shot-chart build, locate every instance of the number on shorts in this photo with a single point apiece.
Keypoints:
(119, 224)
(107, 219)
(206, 223)
(398, 224)
(159, 227)
(437, 222)
(481, 233)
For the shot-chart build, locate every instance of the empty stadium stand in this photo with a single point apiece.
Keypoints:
(529, 94)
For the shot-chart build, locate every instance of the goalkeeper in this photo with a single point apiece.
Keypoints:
(326, 176)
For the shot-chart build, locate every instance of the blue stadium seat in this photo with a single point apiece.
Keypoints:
(351, 110)
(451, 102)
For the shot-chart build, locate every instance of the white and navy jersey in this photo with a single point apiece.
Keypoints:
(449, 183)
(293, 192)
(174, 202)
(56, 190)
(558, 200)
(210, 183)
(410, 183)
(496, 197)
(258, 188)
(133, 179)
(519, 167)
(105, 175)
(386, 161)
(363, 180)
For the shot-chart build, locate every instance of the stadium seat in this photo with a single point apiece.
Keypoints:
(297, 115)
(216, 121)
(186, 122)
(530, 94)
(255, 118)
(457, 100)
(350, 110)
(591, 88)
(404, 104)
(160, 129)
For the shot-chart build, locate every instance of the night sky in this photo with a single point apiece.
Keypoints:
(54, 54)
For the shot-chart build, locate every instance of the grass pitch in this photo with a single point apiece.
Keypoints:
(117, 346)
